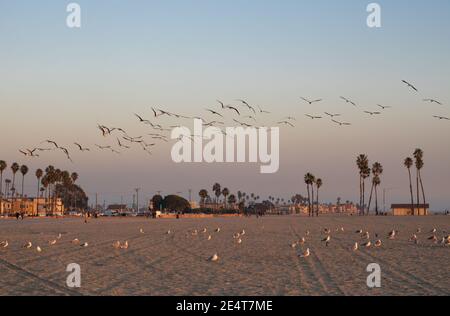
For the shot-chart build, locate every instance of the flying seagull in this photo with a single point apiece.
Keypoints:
(247, 105)
(410, 85)
(313, 117)
(441, 117)
(214, 112)
(384, 107)
(262, 111)
(81, 147)
(233, 108)
(372, 113)
(310, 101)
(286, 123)
(332, 115)
(432, 101)
(348, 101)
(341, 123)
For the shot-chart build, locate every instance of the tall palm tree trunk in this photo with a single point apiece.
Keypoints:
(411, 191)
(1, 184)
(312, 200)
(309, 200)
(376, 200)
(418, 196)
(360, 195)
(423, 191)
(363, 197)
(370, 199)
(317, 208)
(23, 181)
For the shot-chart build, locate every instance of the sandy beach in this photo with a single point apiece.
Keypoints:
(157, 263)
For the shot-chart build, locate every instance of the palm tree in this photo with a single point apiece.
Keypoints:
(408, 164)
(3, 167)
(7, 184)
(217, 191)
(313, 181)
(377, 182)
(203, 195)
(239, 196)
(309, 183)
(39, 174)
(14, 167)
(319, 183)
(225, 193)
(232, 199)
(377, 170)
(74, 177)
(364, 172)
(418, 155)
(23, 171)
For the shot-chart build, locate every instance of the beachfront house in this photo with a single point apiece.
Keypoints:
(31, 206)
(408, 210)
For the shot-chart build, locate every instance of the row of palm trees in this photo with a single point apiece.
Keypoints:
(10, 185)
(419, 164)
(241, 198)
(46, 182)
(311, 181)
(362, 162)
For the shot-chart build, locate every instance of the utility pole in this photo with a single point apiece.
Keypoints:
(137, 199)
(96, 201)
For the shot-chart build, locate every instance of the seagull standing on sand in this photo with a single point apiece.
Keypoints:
(327, 240)
(75, 241)
(355, 246)
(378, 243)
(392, 234)
(367, 244)
(218, 230)
(52, 242)
(28, 245)
(38, 249)
(305, 254)
(214, 258)
(4, 244)
(84, 245)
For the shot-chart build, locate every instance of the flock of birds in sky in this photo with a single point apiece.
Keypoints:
(245, 115)
(363, 242)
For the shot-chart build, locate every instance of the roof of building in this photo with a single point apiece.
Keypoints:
(409, 205)
(113, 207)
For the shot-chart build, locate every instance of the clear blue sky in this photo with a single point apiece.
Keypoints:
(59, 83)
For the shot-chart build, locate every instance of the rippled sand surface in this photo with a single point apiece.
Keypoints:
(264, 263)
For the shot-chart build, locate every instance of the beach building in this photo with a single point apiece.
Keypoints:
(406, 210)
(31, 206)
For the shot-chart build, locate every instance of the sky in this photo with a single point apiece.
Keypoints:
(59, 83)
